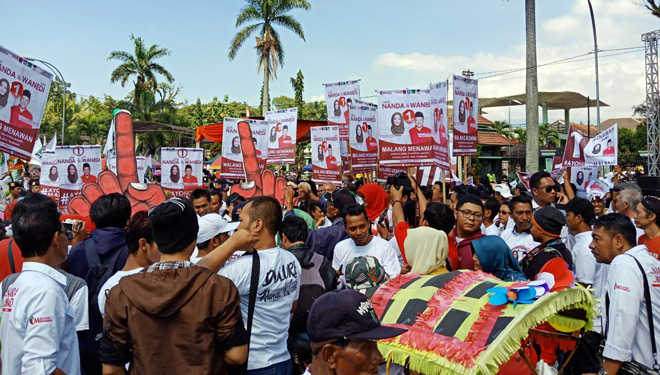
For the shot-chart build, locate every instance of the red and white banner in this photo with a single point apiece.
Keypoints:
(232, 155)
(326, 162)
(441, 142)
(67, 169)
(181, 169)
(583, 177)
(597, 151)
(363, 137)
(466, 115)
(282, 127)
(404, 118)
(338, 96)
(24, 91)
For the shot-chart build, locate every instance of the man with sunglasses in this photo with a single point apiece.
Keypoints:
(344, 331)
(544, 190)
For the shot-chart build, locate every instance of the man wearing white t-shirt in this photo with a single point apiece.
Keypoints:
(519, 238)
(142, 252)
(279, 285)
(579, 215)
(363, 243)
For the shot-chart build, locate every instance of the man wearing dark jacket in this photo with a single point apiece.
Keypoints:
(106, 251)
(175, 317)
(324, 240)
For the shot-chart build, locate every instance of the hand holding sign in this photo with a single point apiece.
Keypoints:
(257, 182)
(141, 196)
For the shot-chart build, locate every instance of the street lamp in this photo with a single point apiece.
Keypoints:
(593, 26)
(59, 74)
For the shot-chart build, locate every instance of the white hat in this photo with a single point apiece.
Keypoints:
(503, 190)
(210, 225)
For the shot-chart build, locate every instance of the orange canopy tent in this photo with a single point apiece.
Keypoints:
(213, 132)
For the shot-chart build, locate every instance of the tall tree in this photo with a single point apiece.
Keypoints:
(501, 127)
(653, 6)
(298, 88)
(266, 14)
(548, 136)
(532, 89)
(141, 64)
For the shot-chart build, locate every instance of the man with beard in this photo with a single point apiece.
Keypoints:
(519, 237)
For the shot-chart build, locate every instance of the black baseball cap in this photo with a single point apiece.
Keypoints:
(340, 199)
(346, 314)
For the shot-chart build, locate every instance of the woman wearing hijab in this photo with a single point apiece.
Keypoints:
(491, 254)
(426, 251)
(5, 105)
(375, 199)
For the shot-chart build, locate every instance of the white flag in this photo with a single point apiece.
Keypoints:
(110, 140)
(52, 144)
(37, 150)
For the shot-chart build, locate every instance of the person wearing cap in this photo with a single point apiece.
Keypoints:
(626, 203)
(20, 115)
(38, 329)
(597, 199)
(502, 193)
(175, 304)
(35, 187)
(278, 291)
(213, 232)
(365, 274)
(547, 223)
(648, 219)
(232, 201)
(344, 331)
(15, 190)
(142, 252)
(324, 240)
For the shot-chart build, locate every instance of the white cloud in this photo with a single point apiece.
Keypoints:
(620, 24)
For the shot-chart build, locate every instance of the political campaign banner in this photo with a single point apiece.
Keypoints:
(282, 128)
(363, 136)
(49, 179)
(574, 149)
(441, 154)
(466, 115)
(24, 91)
(67, 169)
(338, 96)
(583, 177)
(326, 166)
(404, 127)
(232, 154)
(181, 169)
(602, 149)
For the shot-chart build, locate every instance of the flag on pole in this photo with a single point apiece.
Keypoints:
(52, 144)
(37, 150)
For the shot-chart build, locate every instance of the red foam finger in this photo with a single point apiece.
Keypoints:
(151, 197)
(79, 205)
(268, 181)
(126, 164)
(250, 161)
(280, 184)
(91, 192)
(109, 183)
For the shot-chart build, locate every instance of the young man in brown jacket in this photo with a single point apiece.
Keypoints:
(174, 317)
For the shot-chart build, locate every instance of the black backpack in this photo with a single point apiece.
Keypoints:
(100, 270)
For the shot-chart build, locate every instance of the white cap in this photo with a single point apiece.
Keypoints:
(210, 225)
(503, 190)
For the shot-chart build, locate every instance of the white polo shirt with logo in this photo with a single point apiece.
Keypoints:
(628, 337)
(519, 243)
(38, 326)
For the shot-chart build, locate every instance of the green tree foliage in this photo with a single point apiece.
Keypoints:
(261, 17)
(501, 127)
(298, 88)
(142, 65)
(632, 141)
(548, 136)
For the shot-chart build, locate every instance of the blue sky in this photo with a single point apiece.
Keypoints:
(386, 43)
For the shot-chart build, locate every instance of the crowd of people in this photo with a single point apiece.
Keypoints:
(221, 284)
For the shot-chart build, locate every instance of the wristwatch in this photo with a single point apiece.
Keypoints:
(602, 372)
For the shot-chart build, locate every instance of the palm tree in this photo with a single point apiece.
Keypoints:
(501, 127)
(141, 64)
(520, 134)
(532, 88)
(548, 136)
(267, 14)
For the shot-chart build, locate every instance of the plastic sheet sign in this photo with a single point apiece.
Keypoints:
(24, 89)
(363, 136)
(181, 169)
(326, 163)
(282, 128)
(440, 130)
(466, 116)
